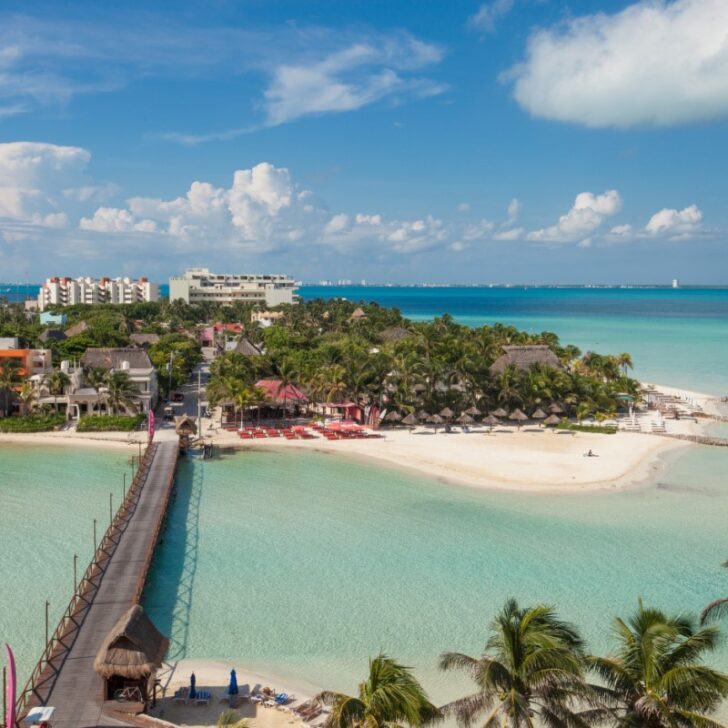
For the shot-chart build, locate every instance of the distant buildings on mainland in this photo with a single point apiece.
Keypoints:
(198, 285)
(64, 291)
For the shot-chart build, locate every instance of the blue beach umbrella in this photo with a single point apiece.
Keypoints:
(193, 692)
(233, 687)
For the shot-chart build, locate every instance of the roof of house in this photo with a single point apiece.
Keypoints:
(133, 649)
(52, 335)
(114, 358)
(144, 339)
(394, 333)
(273, 390)
(358, 315)
(184, 424)
(524, 357)
(247, 348)
(77, 329)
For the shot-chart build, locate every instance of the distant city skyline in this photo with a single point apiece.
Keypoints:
(468, 142)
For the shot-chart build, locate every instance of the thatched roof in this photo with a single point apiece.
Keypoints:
(114, 358)
(77, 329)
(133, 649)
(185, 425)
(393, 334)
(524, 357)
(247, 348)
(358, 315)
(144, 339)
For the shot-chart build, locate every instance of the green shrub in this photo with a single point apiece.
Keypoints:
(110, 423)
(32, 423)
(598, 429)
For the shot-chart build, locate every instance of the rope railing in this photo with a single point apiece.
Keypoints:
(80, 601)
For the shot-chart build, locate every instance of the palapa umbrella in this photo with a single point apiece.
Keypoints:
(393, 416)
(436, 420)
(518, 416)
(233, 686)
(491, 421)
(419, 388)
(411, 420)
(473, 411)
(556, 409)
(193, 692)
(551, 420)
(465, 419)
(500, 412)
(422, 415)
(447, 413)
(539, 414)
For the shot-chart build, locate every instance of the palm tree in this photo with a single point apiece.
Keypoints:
(389, 697)
(231, 719)
(532, 667)
(10, 377)
(56, 381)
(286, 375)
(716, 609)
(624, 360)
(120, 390)
(656, 678)
(96, 377)
(28, 395)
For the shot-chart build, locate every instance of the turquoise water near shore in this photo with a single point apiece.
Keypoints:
(301, 565)
(49, 497)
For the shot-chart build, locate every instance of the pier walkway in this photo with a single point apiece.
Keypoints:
(65, 677)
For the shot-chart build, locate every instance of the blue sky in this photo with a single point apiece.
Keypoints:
(530, 141)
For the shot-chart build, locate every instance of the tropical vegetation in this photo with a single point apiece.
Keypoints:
(389, 696)
(110, 423)
(31, 423)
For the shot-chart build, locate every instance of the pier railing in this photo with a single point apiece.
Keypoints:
(59, 644)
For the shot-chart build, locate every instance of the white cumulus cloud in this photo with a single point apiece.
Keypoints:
(114, 220)
(671, 223)
(655, 63)
(587, 214)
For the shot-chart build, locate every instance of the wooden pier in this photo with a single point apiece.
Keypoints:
(64, 677)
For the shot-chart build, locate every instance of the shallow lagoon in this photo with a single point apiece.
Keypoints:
(302, 565)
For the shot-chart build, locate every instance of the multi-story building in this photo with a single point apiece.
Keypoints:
(69, 291)
(198, 284)
(29, 363)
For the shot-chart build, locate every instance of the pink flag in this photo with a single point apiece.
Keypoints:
(10, 694)
(150, 425)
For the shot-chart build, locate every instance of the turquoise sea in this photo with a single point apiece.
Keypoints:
(303, 565)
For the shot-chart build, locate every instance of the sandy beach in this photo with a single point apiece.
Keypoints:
(213, 676)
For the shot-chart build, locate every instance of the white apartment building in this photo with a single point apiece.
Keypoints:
(198, 284)
(62, 291)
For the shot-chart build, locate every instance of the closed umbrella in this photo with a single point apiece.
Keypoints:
(393, 416)
(446, 413)
(233, 686)
(500, 413)
(411, 420)
(539, 414)
(193, 692)
(518, 416)
(465, 419)
(473, 411)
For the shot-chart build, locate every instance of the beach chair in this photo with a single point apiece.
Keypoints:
(180, 696)
(203, 697)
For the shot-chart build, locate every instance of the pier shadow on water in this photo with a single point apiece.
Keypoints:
(169, 590)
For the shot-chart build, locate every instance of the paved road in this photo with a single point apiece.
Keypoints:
(77, 693)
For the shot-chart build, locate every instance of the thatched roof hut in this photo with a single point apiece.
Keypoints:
(246, 347)
(524, 357)
(185, 425)
(133, 651)
(358, 315)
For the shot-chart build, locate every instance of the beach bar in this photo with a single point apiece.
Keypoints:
(130, 657)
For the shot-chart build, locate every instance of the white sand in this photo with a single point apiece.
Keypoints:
(214, 676)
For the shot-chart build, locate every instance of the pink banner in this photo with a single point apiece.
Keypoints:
(150, 425)
(10, 690)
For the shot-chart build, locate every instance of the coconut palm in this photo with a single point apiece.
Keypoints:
(716, 609)
(28, 395)
(120, 390)
(656, 678)
(11, 376)
(532, 672)
(231, 719)
(96, 377)
(389, 697)
(56, 381)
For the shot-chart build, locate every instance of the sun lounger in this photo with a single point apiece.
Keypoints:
(203, 697)
(180, 696)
